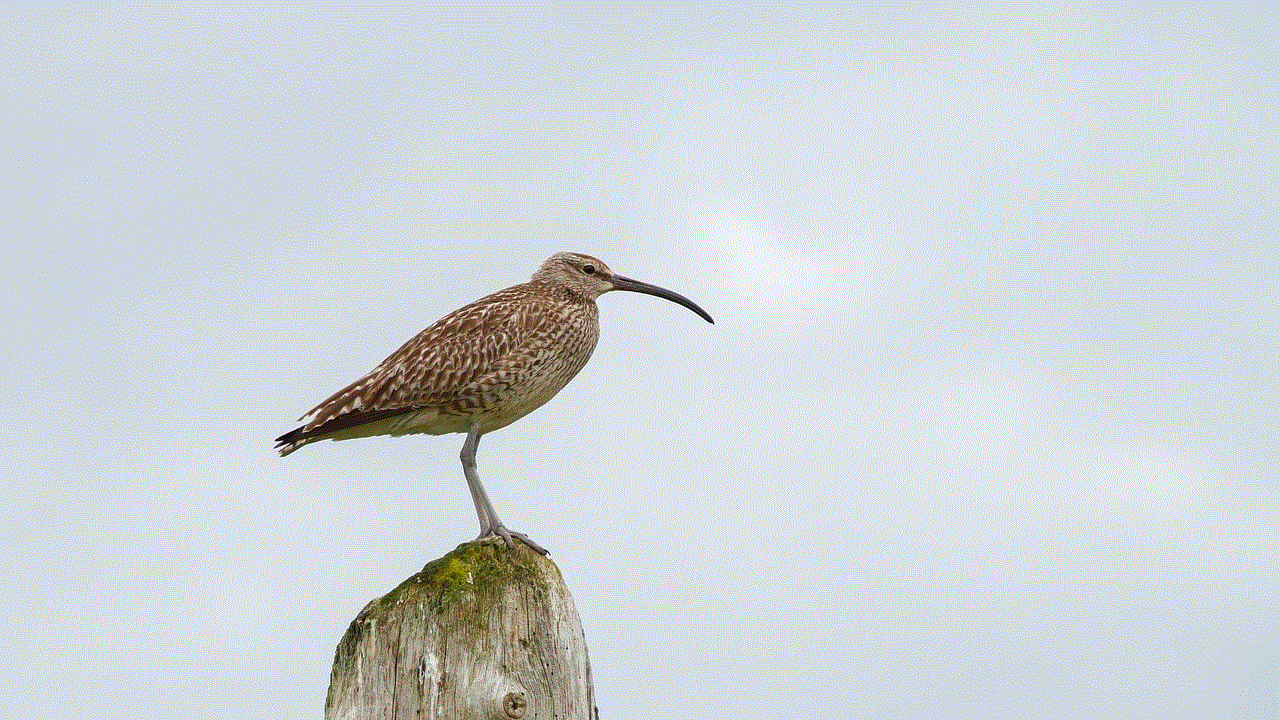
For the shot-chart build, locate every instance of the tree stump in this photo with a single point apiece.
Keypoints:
(485, 632)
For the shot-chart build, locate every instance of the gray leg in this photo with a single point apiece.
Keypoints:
(489, 522)
(484, 509)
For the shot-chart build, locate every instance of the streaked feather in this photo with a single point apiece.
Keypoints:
(493, 361)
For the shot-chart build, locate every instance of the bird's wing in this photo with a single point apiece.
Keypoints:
(436, 369)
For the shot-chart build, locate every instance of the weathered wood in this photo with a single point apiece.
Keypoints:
(485, 632)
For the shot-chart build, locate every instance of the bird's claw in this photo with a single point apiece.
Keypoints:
(508, 535)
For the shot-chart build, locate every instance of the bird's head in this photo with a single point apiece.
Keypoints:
(591, 278)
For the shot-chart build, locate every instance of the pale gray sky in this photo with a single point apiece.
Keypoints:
(986, 426)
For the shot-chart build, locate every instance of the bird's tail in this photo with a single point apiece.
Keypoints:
(292, 440)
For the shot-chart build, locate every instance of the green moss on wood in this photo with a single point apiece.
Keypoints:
(478, 566)
(467, 581)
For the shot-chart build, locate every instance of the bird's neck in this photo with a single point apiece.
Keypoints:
(564, 293)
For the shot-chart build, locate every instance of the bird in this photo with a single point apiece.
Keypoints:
(481, 368)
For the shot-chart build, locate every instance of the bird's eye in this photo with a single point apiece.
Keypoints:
(589, 269)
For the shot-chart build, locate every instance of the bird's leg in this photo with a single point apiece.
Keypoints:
(484, 509)
(489, 522)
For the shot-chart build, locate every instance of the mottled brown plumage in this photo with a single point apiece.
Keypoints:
(492, 361)
(481, 367)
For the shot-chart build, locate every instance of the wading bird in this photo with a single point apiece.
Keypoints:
(480, 368)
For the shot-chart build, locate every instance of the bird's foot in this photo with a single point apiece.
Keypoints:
(510, 536)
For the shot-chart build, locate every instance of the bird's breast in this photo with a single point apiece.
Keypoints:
(551, 351)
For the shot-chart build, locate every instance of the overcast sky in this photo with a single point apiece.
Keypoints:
(987, 425)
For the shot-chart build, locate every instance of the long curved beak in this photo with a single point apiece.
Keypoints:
(622, 283)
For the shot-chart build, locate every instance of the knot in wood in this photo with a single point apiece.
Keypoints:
(514, 705)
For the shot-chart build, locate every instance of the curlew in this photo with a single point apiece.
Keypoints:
(480, 368)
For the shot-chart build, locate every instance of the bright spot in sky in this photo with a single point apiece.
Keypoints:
(770, 273)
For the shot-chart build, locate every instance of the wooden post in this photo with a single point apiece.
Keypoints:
(485, 633)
